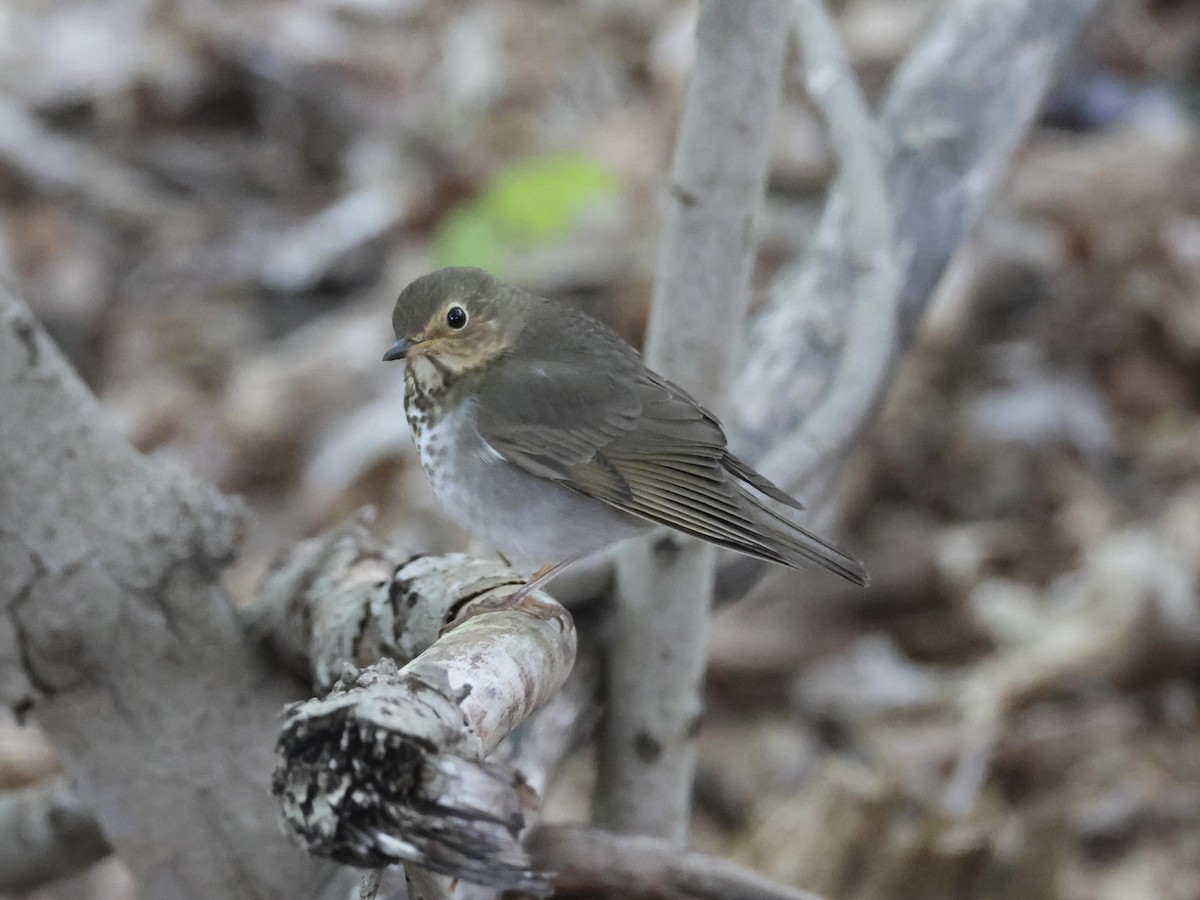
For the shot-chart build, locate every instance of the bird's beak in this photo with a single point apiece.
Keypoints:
(399, 350)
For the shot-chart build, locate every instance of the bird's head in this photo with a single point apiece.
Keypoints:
(460, 318)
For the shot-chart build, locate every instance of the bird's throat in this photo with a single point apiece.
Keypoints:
(428, 376)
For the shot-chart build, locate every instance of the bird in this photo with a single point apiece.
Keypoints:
(546, 436)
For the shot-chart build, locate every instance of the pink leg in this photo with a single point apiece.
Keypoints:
(535, 582)
(539, 579)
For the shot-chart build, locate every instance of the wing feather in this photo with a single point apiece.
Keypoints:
(585, 412)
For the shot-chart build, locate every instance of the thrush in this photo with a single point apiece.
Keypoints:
(546, 436)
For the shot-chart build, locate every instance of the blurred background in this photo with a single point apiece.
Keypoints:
(212, 206)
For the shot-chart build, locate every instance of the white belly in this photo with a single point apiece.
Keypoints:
(533, 521)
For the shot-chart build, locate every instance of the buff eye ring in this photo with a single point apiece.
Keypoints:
(456, 318)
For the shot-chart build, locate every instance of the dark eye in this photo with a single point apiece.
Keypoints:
(456, 317)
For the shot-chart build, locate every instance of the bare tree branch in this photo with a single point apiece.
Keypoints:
(664, 584)
(114, 629)
(46, 832)
(957, 110)
(860, 373)
(341, 597)
(390, 766)
(587, 861)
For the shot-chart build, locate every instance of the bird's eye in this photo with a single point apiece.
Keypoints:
(456, 317)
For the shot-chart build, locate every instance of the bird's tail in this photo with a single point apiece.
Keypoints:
(796, 546)
(800, 548)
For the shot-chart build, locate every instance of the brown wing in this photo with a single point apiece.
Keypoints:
(588, 414)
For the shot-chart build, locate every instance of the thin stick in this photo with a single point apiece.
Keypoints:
(664, 585)
(589, 861)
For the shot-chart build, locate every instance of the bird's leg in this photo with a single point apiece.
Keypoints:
(539, 578)
(491, 604)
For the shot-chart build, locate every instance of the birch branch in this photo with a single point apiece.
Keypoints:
(587, 861)
(345, 597)
(664, 585)
(116, 634)
(391, 766)
(385, 771)
(46, 832)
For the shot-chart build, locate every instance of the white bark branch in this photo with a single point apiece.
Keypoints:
(664, 585)
(46, 833)
(391, 766)
(115, 632)
(587, 861)
(345, 597)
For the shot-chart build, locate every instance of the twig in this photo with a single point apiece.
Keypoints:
(46, 832)
(663, 588)
(587, 861)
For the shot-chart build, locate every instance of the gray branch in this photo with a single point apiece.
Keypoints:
(957, 110)
(389, 767)
(115, 632)
(664, 584)
(859, 376)
(587, 861)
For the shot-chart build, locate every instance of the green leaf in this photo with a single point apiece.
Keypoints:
(467, 238)
(540, 199)
(531, 204)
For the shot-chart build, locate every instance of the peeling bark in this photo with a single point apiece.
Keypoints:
(391, 767)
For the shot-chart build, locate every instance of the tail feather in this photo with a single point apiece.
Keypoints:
(799, 547)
